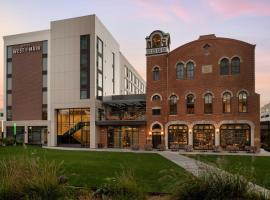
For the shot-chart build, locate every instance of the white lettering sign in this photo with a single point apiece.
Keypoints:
(26, 49)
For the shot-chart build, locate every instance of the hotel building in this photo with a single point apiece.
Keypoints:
(55, 80)
(71, 86)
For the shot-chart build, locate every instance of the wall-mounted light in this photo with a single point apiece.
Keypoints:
(217, 131)
(150, 133)
(162, 133)
(190, 131)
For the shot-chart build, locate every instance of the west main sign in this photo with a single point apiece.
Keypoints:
(26, 49)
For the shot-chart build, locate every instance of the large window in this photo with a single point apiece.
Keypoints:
(73, 126)
(226, 102)
(9, 83)
(44, 79)
(235, 135)
(156, 74)
(177, 135)
(235, 65)
(224, 66)
(85, 67)
(190, 70)
(156, 97)
(242, 102)
(203, 136)
(156, 111)
(122, 136)
(208, 103)
(180, 71)
(190, 104)
(173, 105)
(99, 68)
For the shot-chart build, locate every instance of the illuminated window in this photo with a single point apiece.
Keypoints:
(242, 102)
(156, 41)
(208, 103)
(226, 102)
(190, 104)
(173, 105)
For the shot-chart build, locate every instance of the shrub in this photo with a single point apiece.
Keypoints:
(148, 147)
(216, 184)
(161, 147)
(29, 178)
(122, 187)
(135, 147)
(9, 141)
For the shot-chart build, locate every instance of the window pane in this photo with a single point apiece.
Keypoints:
(100, 63)
(9, 52)
(100, 46)
(84, 42)
(44, 80)
(190, 70)
(9, 68)
(224, 66)
(180, 71)
(100, 80)
(44, 64)
(235, 65)
(83, 78)
(9, 84)
(83, 94)
(45, 47)
(9, 99)
(44, 97)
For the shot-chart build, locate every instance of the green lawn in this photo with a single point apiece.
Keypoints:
(84, 168)
(255, 168)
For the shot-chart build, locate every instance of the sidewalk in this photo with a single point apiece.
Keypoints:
(196, 167)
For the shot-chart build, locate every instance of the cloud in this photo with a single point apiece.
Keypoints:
(161, 10)
(233, 8)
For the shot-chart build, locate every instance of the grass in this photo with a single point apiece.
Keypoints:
(254, 168)
(92, 169)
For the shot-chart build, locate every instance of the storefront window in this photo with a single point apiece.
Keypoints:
(203, 136)
(178, 135)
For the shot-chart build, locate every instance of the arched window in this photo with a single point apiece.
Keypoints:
(242, 102)
(156, 41)
(208, 103)
(224, 66)
(236, 65)
(156, 97)
(156, 126)
(180, 71)
(226, 102)
(173, 105)
(190, 70)
(156, 74)
(190, 104)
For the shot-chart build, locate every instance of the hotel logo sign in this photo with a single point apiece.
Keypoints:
(26, 49)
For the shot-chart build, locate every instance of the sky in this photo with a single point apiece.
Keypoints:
(130, 21)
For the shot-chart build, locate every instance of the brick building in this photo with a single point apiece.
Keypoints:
(201, 93)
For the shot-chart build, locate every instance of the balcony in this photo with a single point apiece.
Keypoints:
(122, 110)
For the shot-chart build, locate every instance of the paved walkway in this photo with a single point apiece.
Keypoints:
(197, 168)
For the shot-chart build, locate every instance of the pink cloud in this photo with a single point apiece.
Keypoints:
(234, 8)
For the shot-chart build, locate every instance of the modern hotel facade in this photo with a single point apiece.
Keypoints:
(55, 79)
(71, 86)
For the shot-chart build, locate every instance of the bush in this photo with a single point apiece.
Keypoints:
(122, 187)
(148, 147)
(135, 147)
(29, 178)
(216, 184)
(9, 141)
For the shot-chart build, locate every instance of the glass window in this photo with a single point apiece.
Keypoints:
(242, 102)
(156, 74)
(190, 104)
(9, 83)
(45, 47)
(44, 64)
(180, 71)
(203, 136)
(177, 135)
(9, 114)
(44, 80)
(173, 105)
(9, 52)
(236, 65)
(84, 59)
(83, 94)
(156, 98)
(84, 43)
(9, 68)
(190, 70)
(44, 113)
(208, 104)
(83, 78)
(226, 102)
(100, 63)
(100, 46)
(224, 66)
(44, 97)
(100, 81)
(156, 41)
(156, 111)
(9, 99)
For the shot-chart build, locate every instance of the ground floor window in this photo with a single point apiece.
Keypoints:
(122, 136)
(10, 132)
(73, 127)
(203, 136)
(235, 134)
(177, 135)
(37, 134)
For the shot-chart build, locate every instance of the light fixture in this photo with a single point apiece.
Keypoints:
(162, 132)
(150, 133)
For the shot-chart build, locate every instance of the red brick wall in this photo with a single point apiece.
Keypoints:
(27, 85)
(214, 82)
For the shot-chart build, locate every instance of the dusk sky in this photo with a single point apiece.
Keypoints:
(130, 21)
